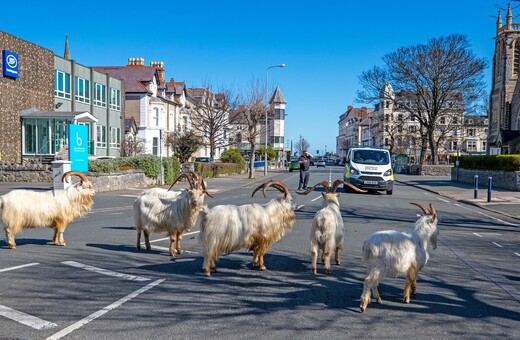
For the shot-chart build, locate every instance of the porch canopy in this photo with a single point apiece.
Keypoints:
(83, 117)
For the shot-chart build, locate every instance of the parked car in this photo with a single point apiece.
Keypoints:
(294, 165)
(320, 162)
(203, 159)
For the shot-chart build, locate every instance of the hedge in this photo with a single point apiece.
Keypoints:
(491, 162)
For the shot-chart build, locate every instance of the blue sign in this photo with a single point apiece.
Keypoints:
(78, 147)
(9, 64)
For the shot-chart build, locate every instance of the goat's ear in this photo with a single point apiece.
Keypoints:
(418, 216)
(337, 194)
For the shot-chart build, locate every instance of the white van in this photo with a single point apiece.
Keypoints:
(369, 168)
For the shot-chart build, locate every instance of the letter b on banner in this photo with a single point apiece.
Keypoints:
(78, 147)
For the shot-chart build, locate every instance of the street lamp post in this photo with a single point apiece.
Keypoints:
(266, 104)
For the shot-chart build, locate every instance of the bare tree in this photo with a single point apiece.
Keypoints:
(131, 146)
(211, 119)
(183, 144)
(251, 114)
(436, 79)
(301, 145)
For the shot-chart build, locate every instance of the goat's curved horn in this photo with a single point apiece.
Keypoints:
(324, 183)
(336, 184)
(277, 184)
(81, 175)
(352, 186)
(200, 182)
(188, 176)
(422, 207)
(432, 210)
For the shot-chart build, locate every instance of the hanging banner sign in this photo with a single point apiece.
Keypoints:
(78, 147)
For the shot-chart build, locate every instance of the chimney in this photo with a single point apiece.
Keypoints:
(350, 107)
(159, 65)
(135, 62)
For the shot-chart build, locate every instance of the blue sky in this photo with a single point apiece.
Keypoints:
(325, 44)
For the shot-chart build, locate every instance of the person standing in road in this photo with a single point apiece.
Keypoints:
(305, 162)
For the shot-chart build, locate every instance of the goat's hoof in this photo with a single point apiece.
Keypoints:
(328, 271)
(207, 273)
(314, 271)
(379, 300)
(263, 268)
(213, 270)
(12, 246)
(406, 300)
(414, 292)
(362, 308)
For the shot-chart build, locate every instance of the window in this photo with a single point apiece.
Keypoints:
(155, 146)
(516, 58)
(454, 145)
(399, 128)
(442, 120)
(101, 140)
(115, 137)
(387, 119)
(61, 84)
(400, 117)
(454, 120)
(472, 145)
(155, 117)
(454, 133)
(471, 132)
(115, 99)
(279, 114)
(82, 90)
(100, 97)
(412, 128)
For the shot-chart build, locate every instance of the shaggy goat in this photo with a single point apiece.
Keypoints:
(173, 214)
(22, 209)
(169, 193)
(327, 225)
(393, 253)
(228, 228)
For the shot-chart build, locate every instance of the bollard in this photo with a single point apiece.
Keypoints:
(475, 193)
(490, 185)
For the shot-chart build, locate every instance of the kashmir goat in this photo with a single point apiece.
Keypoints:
(169, 193)
(170, 213)
(327, 226)
(22, 209)
(394, 253)
(255, 227)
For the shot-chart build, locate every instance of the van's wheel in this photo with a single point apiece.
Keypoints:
(389, 192)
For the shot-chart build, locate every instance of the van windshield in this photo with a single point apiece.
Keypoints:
(370, 157)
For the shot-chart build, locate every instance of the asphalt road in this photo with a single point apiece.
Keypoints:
(100, 287)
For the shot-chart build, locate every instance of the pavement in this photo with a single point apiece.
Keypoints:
(505, 202)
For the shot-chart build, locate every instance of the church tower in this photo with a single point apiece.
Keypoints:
(504, 103)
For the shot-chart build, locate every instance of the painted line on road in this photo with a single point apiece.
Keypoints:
(105, 271)
(317, 198)
(133, 196)
(499, 281)
(298, 207)
(443, 200)
(168, 249)
(167, 238)
(477, 234)
(517, 254)
(18, 267)
(103, 311)
(25, 319)
(498, 245)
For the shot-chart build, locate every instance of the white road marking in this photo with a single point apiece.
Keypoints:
(25, 319)
(477, 234)
(443, 200)
(167, 238)
(103, 311)
(498, 245)
(168, 249)
(133, 196)
(105, 271)
(18, 267)
(517, 254)
(317, 198)
(300, 206)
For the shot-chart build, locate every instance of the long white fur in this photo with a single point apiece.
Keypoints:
(229, 228)
(170, 213)
(394, 253)
(327, 232)
(21, 209)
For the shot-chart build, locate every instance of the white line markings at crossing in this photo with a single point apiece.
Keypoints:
(25, 319)
(498, 245)
(105, 271)
(18, 267)
(103, 311)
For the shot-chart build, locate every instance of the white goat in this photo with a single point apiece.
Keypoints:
(228, 228)
(22, 209)
(173, 214)
(327, 226)
(393, 253)
(172, 194)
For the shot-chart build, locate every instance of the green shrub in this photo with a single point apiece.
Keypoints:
(491, 162)
(233, 156)
(149, 164)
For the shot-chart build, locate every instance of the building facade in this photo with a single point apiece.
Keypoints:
(504, 108)
(48, 94)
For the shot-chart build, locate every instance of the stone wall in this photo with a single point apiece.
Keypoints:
(37, 172)
(34, 88)
(501, 179)
(430, 170)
